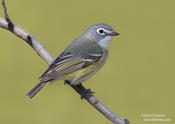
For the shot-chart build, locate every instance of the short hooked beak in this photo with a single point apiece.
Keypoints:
(114, 34)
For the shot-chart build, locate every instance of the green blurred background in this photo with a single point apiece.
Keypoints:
(138, 78)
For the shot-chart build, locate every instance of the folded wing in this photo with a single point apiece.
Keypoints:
(63, 65)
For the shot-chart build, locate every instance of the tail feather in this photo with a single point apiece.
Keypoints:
(35, 90)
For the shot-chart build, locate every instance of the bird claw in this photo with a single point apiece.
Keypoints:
(88, 91)
(83, 92)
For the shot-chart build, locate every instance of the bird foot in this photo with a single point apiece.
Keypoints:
(88, 91)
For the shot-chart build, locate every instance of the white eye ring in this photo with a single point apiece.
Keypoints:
(101, 31)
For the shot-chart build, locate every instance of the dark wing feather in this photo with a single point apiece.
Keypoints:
(59, 60)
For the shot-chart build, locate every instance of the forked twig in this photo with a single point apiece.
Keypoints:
(42, 52)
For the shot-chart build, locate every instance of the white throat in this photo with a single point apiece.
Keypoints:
(105, 43)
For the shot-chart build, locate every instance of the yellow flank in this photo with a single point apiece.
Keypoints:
(82, 73)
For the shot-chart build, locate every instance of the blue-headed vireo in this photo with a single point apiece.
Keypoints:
(81, 59)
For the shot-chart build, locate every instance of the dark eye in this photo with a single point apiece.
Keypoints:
(101, 31)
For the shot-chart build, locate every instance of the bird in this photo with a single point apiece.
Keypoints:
(81, 59)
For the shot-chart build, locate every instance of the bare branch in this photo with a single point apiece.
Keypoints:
(39, 48)
(100, 106)
(7, 18)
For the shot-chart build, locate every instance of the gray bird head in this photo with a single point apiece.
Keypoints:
(102, 34)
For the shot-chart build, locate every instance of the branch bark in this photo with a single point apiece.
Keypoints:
(44, 54)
